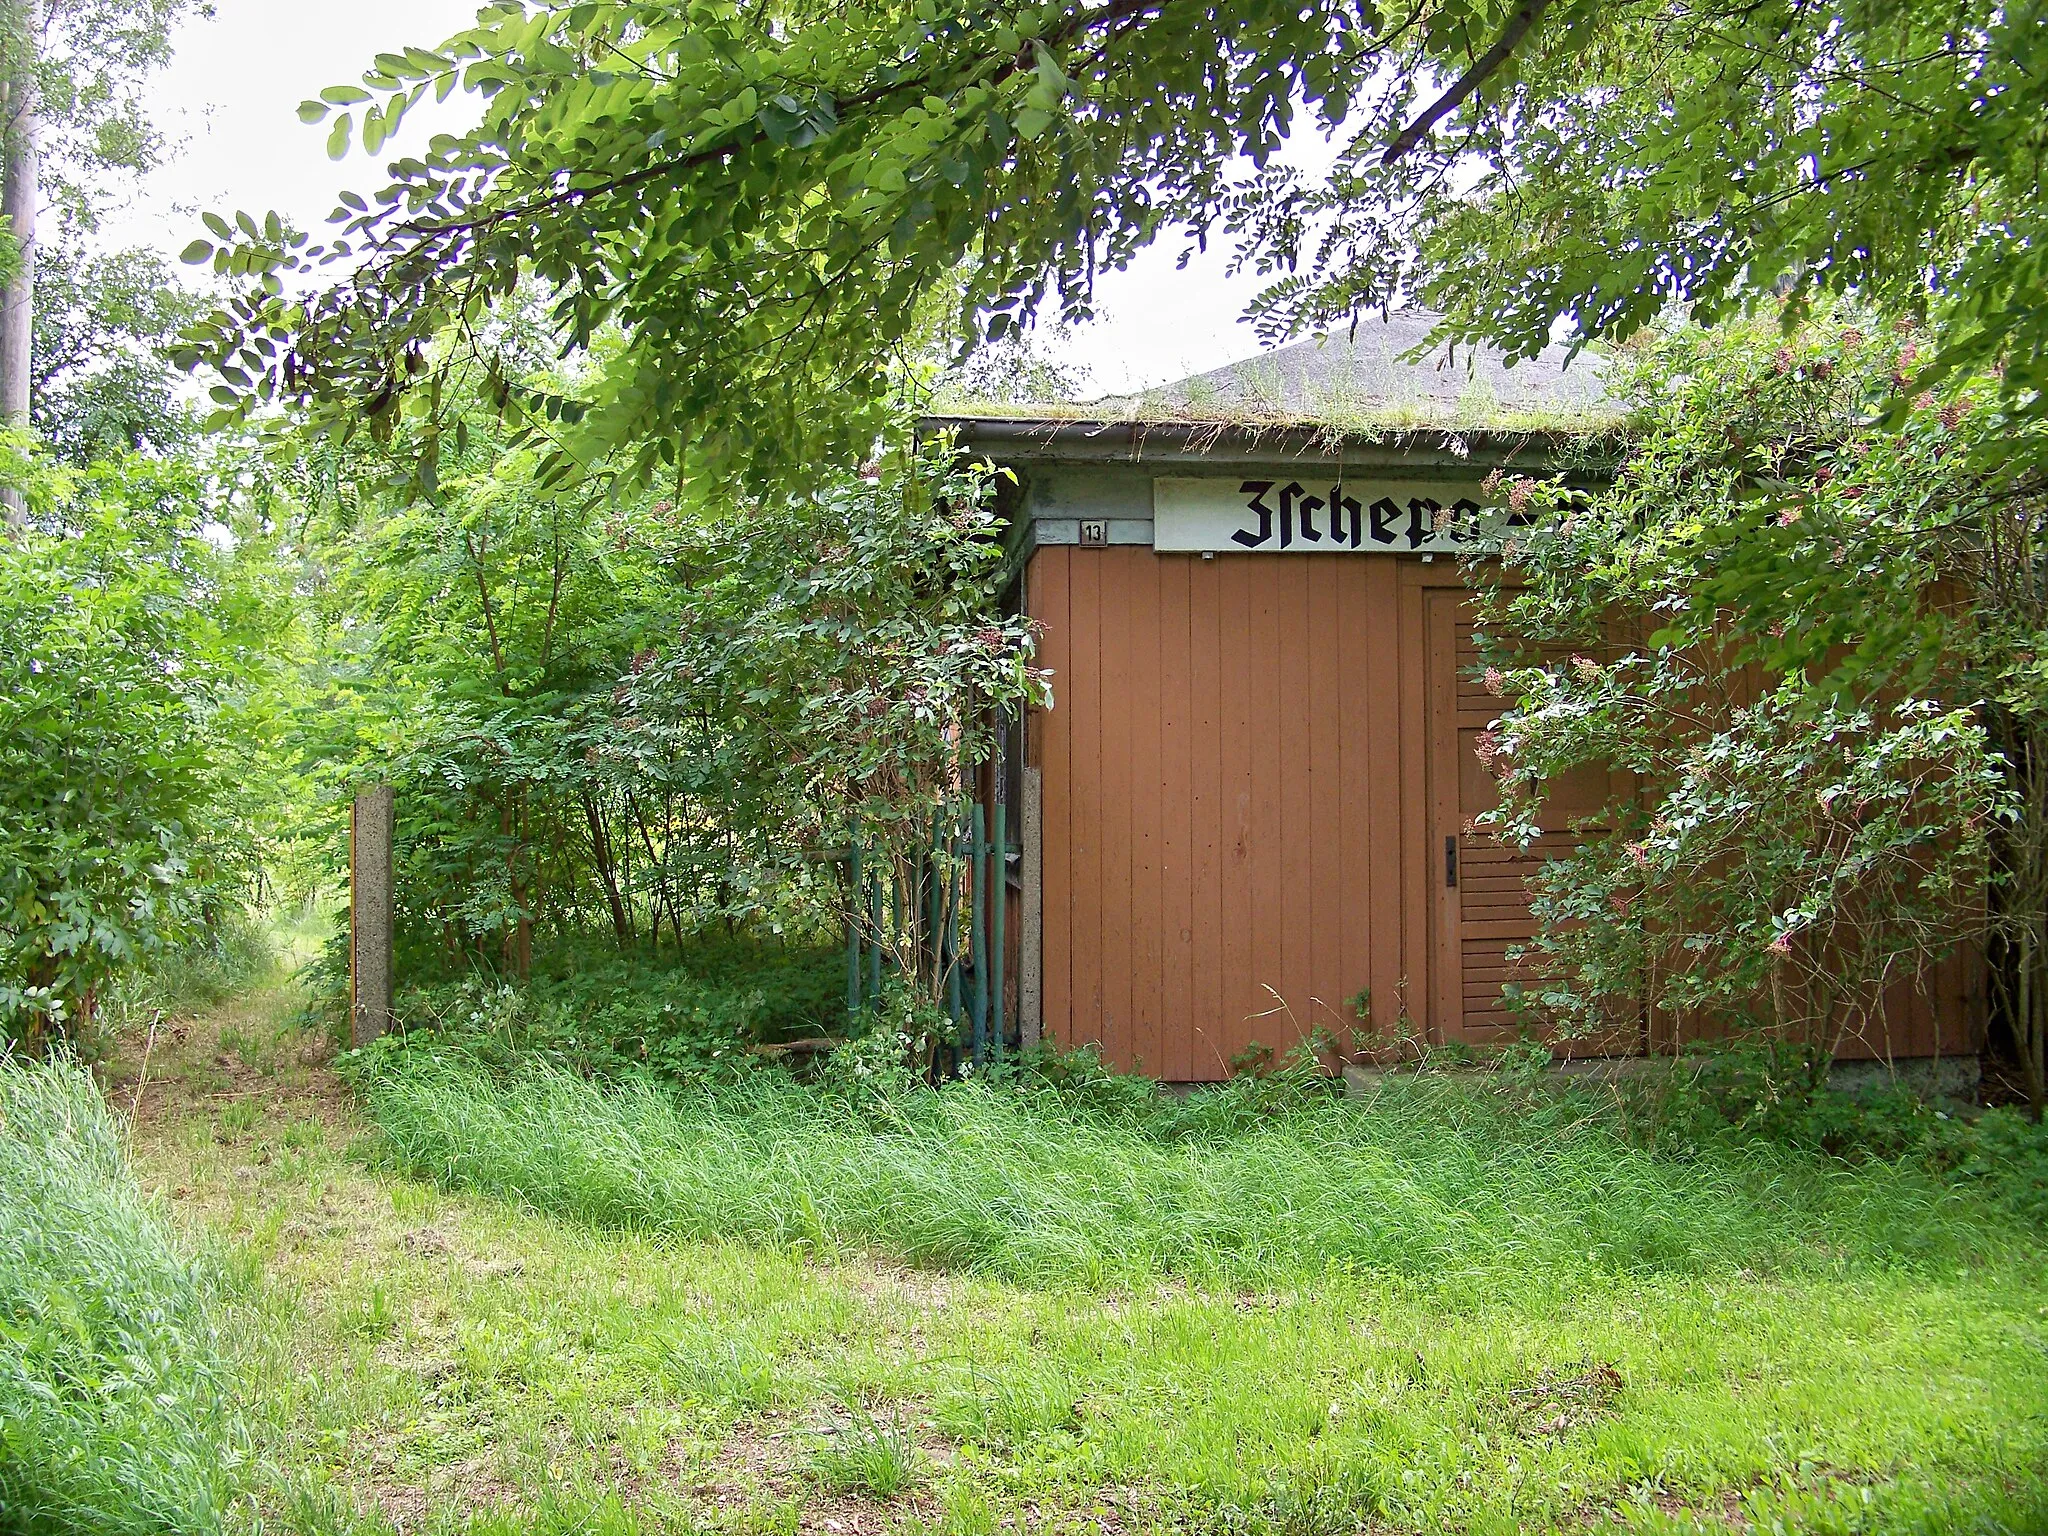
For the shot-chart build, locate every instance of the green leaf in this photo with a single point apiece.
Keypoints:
(344, 95)
(313, 111)
(196, 252)
(337, 140)
(795, 123)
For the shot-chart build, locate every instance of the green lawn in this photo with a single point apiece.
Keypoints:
(421, 1358)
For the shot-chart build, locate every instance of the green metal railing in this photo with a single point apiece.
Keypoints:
(939, 911)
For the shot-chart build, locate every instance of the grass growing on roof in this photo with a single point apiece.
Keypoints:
(1365, 420)
(1246, 1185)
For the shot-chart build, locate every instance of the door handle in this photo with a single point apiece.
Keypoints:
(1451, 861)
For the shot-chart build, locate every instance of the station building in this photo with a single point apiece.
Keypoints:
(1246, 815)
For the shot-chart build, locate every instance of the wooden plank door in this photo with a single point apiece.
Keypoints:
(1481, 910)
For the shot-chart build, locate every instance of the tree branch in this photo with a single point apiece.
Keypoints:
(1112, 17)
(1517, 28)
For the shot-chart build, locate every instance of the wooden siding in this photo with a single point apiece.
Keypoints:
(1247, 778)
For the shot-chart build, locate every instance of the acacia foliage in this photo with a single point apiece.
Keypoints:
(131, 644)
(757, 196)
(465, 648)
(1628, 157)
(1784, 624)
(760, 197)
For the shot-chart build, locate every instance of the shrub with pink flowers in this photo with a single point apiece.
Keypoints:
(1808, 624)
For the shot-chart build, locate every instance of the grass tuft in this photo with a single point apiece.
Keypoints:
(868, 1456)
(111, 1390)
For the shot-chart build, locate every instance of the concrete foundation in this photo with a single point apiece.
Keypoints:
(1927, 1077)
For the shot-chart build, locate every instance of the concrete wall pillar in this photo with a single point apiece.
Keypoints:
(372, 832)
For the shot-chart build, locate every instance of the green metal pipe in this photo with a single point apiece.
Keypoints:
(956, 1015)
(853, 918)
(934, 907)
(977, 853)
(875, 940)
(998, 902)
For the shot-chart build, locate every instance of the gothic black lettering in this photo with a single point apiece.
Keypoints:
(1288, 493)
(1256, 489)
(1421, 520)
(1341, 508)
(1309, 506)
(1278, 513)
(1383, 513)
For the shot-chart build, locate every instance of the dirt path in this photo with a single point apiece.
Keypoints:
(415, 1358)
(250, 1051)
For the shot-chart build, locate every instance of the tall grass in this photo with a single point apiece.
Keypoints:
(112, 1414)
(232, 955)
(1426, 1179)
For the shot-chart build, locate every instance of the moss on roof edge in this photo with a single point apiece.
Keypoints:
(1392, 422)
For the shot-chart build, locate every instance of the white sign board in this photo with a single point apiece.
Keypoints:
(1282, 515)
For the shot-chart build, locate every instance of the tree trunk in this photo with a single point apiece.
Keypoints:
(20, 192)
(601, 855)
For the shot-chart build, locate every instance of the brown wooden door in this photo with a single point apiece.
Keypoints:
(1232, 820)
(1481, 911)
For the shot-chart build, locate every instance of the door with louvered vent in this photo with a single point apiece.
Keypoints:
(1482, 910)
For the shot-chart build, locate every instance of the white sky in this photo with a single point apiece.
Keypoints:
(232, 95)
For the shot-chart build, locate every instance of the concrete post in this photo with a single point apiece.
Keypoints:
(372, 830)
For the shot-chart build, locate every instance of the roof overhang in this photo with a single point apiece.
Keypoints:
(1219, 444)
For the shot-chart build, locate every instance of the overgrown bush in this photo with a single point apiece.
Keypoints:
(1750, 1091)
(128, 787)
(114, 1409)
(1799, 633)
(592, 1011)
(102, 758)
(645, 716)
